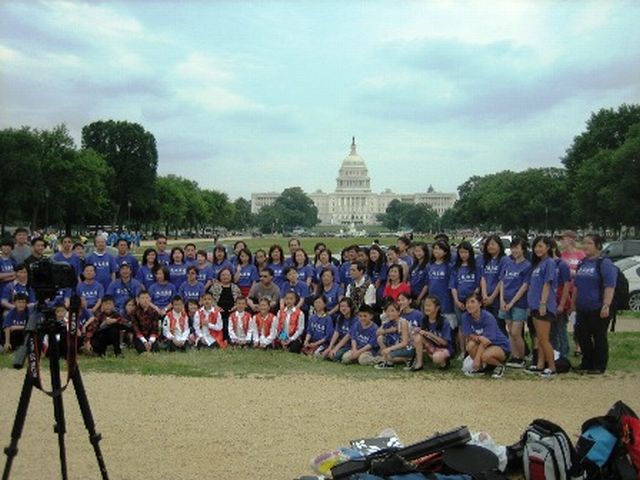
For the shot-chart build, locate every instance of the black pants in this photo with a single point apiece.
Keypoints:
(592, 336)
(104, 337)
(295, 346)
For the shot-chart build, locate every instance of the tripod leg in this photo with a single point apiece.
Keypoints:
(18, 424)
(87, 417)
(58, 406)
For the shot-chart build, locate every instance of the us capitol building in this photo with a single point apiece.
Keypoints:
(353, 202)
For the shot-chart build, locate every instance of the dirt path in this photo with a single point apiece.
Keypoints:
(245, 428)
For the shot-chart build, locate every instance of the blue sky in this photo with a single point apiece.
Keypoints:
(259, 96)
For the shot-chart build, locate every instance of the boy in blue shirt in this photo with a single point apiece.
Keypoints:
(124, 288)
(364, 339)
(14, 323)
(104, 263)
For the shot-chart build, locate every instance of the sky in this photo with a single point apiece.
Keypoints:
(259, 96)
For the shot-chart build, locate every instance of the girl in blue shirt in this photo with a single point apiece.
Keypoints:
(541, 298)
(464, 280)
(493, 259)
(220, 262)
(485, 342)
(438, 274)
(323, 262)
(319, 330)
(302, 265)
(246, 273)
(162, 291)
(414, 317)
(433, 336)
(514, 282)
(377, 270)
(276, 264)
(340, 342)
(146, 275)
(205, 272)
(418, 271)
(177, 267)
(330, 290)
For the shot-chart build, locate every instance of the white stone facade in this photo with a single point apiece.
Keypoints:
(353, 202)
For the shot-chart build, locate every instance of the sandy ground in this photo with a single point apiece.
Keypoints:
(244, 428)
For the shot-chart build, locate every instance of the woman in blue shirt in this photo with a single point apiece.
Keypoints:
(595, 285)
(541, 298)
(493, 259)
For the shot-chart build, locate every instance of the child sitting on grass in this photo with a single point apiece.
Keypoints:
(175, 326)
(266, 323)
(320, 329)
(341, 339)
(290, 323)
(15, 321)
(434, 337)
(243, 330)
(393, 338)
(208, 325)
(103, 330)
(364, 344)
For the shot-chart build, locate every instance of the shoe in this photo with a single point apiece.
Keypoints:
(595, 372)
(384, 365)
(516, 363)
(474, 373)
(546, 373)
(416, 369)
(498, 372)
(533, 370)
(408, 367)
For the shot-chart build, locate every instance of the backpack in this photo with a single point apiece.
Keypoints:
(621, 293)
(629, 432)
(548, 453)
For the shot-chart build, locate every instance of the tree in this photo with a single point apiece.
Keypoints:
(418, 217)
(172, 205)
(132, 154)
(242, 216)
(219, 211)
(293, 208)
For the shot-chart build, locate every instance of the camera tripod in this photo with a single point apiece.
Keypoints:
(41, 323)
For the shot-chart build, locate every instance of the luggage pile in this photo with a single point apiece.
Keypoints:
(608, 449)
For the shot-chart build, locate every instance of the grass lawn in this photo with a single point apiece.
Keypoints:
(624, 358)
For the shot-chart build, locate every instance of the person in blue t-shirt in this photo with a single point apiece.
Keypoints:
(300, 261)
(19, 285)
(541, 298)
(103, 261)
(330, 290)
(162, 291)
(364, 339)
(66, 254)
(177, 267)
(292, 284)
(438, 276)
(411, 315)
(433, 337)
(146, 272)
(191, 289)
(486, 344)
(14, 323)
(514, 282)
(7, 264)
(205, 272)
(464, 280)
(403, 244)
(190, 254)
(276, 264)
(559, 335)
(595, 285)
(163, 255)
(90, 289)
(124, 256)
(418, 271)
(493, 259)
(124, 288)
(341, 338)
(319, 329)
(246, 273)
(394, 338)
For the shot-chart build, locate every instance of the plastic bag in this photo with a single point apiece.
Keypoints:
(484, 440)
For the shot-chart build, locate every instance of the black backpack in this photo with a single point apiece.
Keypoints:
(621, 293)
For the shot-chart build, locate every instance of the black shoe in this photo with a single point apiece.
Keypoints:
(416, 369)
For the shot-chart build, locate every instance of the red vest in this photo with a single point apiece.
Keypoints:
(212, 317)
(246, 317)
(293, 320)
(183, 319)
(264, 324)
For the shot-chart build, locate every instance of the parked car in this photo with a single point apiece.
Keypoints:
(621, 249)
(630, 267)
(506, 243)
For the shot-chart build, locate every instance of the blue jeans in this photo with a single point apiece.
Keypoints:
(558, 336)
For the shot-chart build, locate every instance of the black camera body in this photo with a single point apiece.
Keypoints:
(46, 277)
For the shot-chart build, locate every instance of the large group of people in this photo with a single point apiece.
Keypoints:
(405, 304)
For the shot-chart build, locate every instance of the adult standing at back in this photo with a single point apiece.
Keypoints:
(493, 260)
(595, 284)
(103, 261)
(21, 249)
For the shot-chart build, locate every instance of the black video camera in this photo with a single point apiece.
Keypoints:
(46, 277)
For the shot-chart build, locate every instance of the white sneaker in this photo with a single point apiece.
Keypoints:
(498, 372)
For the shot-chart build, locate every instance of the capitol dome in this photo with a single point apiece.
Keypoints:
(353, 175)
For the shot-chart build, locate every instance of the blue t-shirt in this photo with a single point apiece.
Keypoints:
(205, 274)
(487, 327)
(15, 319)
(408, 259)
(161, 294)
(320, 328)
(589, 286)
(345, 273)
(364, 336)
(59, 298)
(513, 276)
(190, 262)
(332, 295)
(304, 272)
(90, 292)
(465, 280)
(438, 282)
(12, 288)
(145, 276)
(164, 258)
(278, 277)
(414, 317)
(318, 272)
(491, 272)
(105, 265)
(73, 260)
(343, 326)
(444, 332)
(177, 274)
(131, 260)
(191, 292)
(301, 288)
(122, 292)
(248, 275)
(6, 266)
(544, 272)
(417, 279)
(390, 338)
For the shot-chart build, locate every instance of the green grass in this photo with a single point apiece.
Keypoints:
(624, 358)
